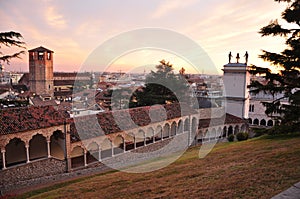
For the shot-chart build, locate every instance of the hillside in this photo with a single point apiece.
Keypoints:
(257, 168)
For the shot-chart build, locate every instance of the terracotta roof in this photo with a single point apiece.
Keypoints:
(40, 49)
(37, 101)
(229, 119)
(88, 126)
(29, 118)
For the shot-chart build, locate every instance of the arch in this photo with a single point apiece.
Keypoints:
(213, 134)
(250, 121)
(140, 138)
(263, 122)
(150, 135)
(158, 133)
(15, 152)
(119, 145)
(166, 131)
(219, 132)
(255, 121)
(173, 129)
(130, 143)
(186, 125)
(77, 157)
(194, 127)
(38, 147)
(180, 127)
(230, 130)
(106, 148)
(236, 129)
(224, 132)
(57, 145)
(270, 123)
(243, 128)
(92, 152)
(200, 137)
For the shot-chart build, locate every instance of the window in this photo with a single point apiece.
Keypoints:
(48, 55)
(251, 108)
(40, 56)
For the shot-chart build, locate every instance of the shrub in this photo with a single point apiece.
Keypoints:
(242, 136)
(230, 138)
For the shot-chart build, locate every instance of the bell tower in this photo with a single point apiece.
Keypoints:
(41, 71)
(236, 78)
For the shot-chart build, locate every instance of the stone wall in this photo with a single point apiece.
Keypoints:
(14, 176)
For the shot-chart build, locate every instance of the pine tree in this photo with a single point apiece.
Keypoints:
(287, 80)
(11, 39)
(161, 87)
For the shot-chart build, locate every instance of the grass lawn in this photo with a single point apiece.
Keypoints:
(257, 168)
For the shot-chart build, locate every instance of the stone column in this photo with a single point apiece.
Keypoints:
(162, 135)
(134, 142)
(48, 148)
(99, 154)
(85, 159)
(145, 140)
(27, 153)
(112, 150)
(3, 159)
(124, 146)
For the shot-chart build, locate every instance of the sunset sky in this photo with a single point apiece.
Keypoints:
(73, 28)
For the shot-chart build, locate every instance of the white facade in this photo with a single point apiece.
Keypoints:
(236, 78)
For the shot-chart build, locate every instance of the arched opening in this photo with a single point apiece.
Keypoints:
(186, 125)
(173, 129)
(236, 129)
(180, 127)
(130, 143)
(224, 132)
(38, 147)
(158, 134)
(200, 137)
(243, 128)
(15, 152)
(263, 122)
(166, 131)
(118, 144)
(93, 152)
(140, 138)
(77, 157)
(57, 145)
(230, 130)
(250, 121)
(213, 134)
(220, 132)
(256, 122)
(270, 123)
(149, 135)
(194, 127)
(106, 148)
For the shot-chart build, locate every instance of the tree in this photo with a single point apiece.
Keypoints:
(161, 87)
(11, 39)
(287, 80)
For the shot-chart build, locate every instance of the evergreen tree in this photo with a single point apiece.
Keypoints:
(11, 39)
(287, 80)
(162, 86)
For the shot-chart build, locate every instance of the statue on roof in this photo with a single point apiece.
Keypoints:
(237, 58)
(246, 57)
(229, 57)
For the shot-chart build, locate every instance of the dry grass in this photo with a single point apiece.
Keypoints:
(258, 168)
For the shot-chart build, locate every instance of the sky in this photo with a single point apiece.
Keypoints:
(74, 29)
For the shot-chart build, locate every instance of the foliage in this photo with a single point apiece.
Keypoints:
(230, 138)
(11, 39)
(287, 80)
(162, 86)
(242, 136)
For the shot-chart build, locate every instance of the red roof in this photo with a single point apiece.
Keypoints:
(29, 118)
